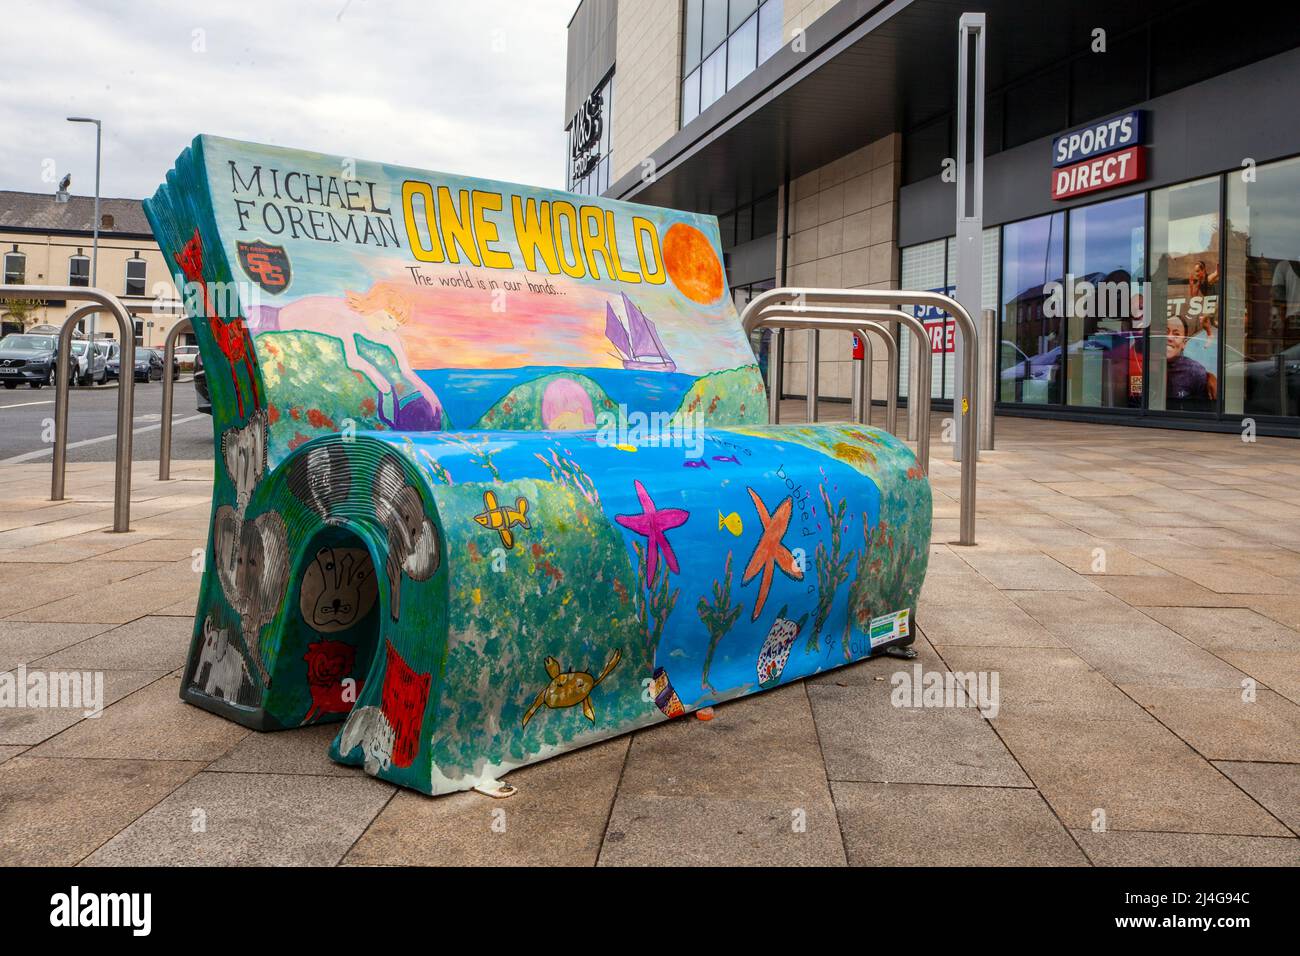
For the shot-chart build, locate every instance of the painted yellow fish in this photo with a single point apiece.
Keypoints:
(731, 522)
(626, 447)
(501, 518)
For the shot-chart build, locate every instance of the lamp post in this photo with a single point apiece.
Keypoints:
(94, 242)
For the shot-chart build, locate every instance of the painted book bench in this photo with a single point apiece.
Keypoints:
(493, 476)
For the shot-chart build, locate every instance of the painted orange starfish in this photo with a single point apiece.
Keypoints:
(770, 553)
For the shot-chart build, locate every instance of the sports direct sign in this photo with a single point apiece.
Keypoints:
(1098, 156)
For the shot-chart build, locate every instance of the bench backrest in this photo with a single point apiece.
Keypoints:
(335, 293)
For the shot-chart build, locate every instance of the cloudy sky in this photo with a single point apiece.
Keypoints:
(468, 87)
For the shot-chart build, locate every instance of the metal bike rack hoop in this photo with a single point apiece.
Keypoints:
(98, 300)
(168, 387)
(805, 298)
(832, 317)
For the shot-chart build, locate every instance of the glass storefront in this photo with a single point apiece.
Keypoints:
(932, 267)
(1262, 334)
(1033, 255)
(1184, 350)
(1202, 321)
(1103, 335)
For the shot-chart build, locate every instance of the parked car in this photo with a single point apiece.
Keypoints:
(186, 355)
(112, 361)
(162, 357)
(29, 358)
(201, 387)
(92, 364)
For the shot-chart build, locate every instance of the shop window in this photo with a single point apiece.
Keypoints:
(1102, 304)
(1185, 298)
(1033, 255)
(923, 267)
(932, 266)
(1262, 292)
(15, 268)
(79, 270)
(135, 276)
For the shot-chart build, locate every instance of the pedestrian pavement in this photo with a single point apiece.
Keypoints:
(1134, 592)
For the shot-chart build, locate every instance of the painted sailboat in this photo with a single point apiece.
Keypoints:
(639, 346)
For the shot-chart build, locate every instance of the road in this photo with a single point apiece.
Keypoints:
(92, 423)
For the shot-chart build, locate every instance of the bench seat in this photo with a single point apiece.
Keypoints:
(505, 562)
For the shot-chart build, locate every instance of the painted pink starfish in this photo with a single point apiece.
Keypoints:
(653, 522)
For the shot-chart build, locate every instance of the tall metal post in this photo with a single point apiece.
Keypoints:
(970, 208)
(775, 356)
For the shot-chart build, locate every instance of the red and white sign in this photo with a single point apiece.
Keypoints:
(1102, 172)
(942, 336)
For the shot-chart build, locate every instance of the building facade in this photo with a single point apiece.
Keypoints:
(1141, 253)
(46, 239)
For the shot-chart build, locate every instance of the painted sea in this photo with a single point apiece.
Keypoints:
(467, 394)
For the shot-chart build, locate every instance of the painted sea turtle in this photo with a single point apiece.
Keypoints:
(569, 688)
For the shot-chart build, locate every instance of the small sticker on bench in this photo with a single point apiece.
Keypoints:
(888, 627)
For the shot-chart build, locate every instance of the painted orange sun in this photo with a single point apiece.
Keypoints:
(692, 264)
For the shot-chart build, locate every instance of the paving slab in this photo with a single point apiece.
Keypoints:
(1145, 591)
(1275, 785)
(1228, 628)
(1038, 572)
(864, 737)
(1277, 670)
(1005, 625)
(903, 824)
(1139, 773)
(650, 830)
(1187, 849)
(1057, 610)
(151, 724)
(55, 812)
(23, 641)
(28, 726)
(557, 818)
(1148, 653)
(145, 642)
(249, 819)
(717, 758)
(1223, 726)
(149, 587)
(1043, 680)
(304, 750)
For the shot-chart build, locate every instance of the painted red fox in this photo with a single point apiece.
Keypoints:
(231, 335)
